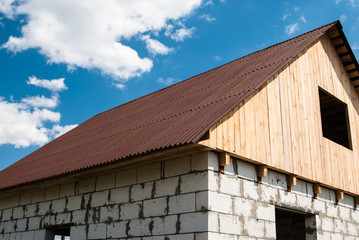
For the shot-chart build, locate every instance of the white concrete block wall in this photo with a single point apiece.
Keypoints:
(184, 198)
(156, 201)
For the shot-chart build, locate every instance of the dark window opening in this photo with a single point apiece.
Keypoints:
(334, 114)
(57, 233)
(294, 225)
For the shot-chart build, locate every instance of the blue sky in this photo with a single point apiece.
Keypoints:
(64, 61)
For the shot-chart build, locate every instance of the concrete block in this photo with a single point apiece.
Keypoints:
(355, 216)
(250, 190)
(331, 210)
(246, 170)
(119, 195)
(204, 161)
(58, 205)
(38, 196)
(41, 235)
(165, 225)
(74, 203)
(337, 236)
(268, 193)
(288, 197)
(230, 224)
(52, 193)
(340, 226)
(106, 181)
(100, 198)
(244, 207)
(166, 187)
(79, 216)
(141, 191)
(327, 224)
(149, 172)
(213, 181)
(319, 205)
(304, 202)
(29, 235)
(43, 208)
(109, 214)
(9, 226)
(155, 207)
(277, 179)
(30, 210)
(126, 178)
(67, 190)
(48, 220)
(130, 211)
(63, 218)
(34, 223)
(6, 214)
(5, 236)
(213, 221)
(97, 231)
(266, 212)
(215, 236)
(15, 236)
(117, 230)
(177, 166)
(254, 228)
(139, 227)
(220, 202)
(78, 232)
(25, 198)
(202, 201)
(182, 203)
(87, 185)
(229, 184)
(18, 212)
(194, 182)
(189, 236)
(345, 213)
(193, 222)
(352, 229)
(270, 230)
(21, 224)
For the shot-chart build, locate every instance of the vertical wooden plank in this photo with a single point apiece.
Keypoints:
(225, 138)
(236, 123)
(220, 135)
(230, 126)
(275, 127)
(284, 101)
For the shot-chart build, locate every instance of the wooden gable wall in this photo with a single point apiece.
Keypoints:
(280, 125)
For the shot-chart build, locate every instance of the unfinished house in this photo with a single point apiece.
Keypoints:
(263, 147)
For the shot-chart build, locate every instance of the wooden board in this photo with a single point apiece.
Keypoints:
(280, 125)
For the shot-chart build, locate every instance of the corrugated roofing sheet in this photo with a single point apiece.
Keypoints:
(177, 115)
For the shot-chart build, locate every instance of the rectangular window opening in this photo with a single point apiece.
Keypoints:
(335, 121)
(58, 233)
(294, 225)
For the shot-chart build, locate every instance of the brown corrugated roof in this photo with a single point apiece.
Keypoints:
(177, 115)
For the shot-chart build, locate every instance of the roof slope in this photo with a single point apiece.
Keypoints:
(177, 115)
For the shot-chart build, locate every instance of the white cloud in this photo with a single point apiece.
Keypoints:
(290, 29)
(354, 3)
(6, 8)
(302, 18)
(207, 18)
(343, 18)
(181, 34)
(286, 16)
(22, 126)
(167, 81)
(355, 46)
(58, 130)
(52, 85)
(120, 85)
(337, 1)
(30, 121)
(217, 58)
(208, 3)
(156, 47)
(89, 34)
(296, 9)
(41, 101)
